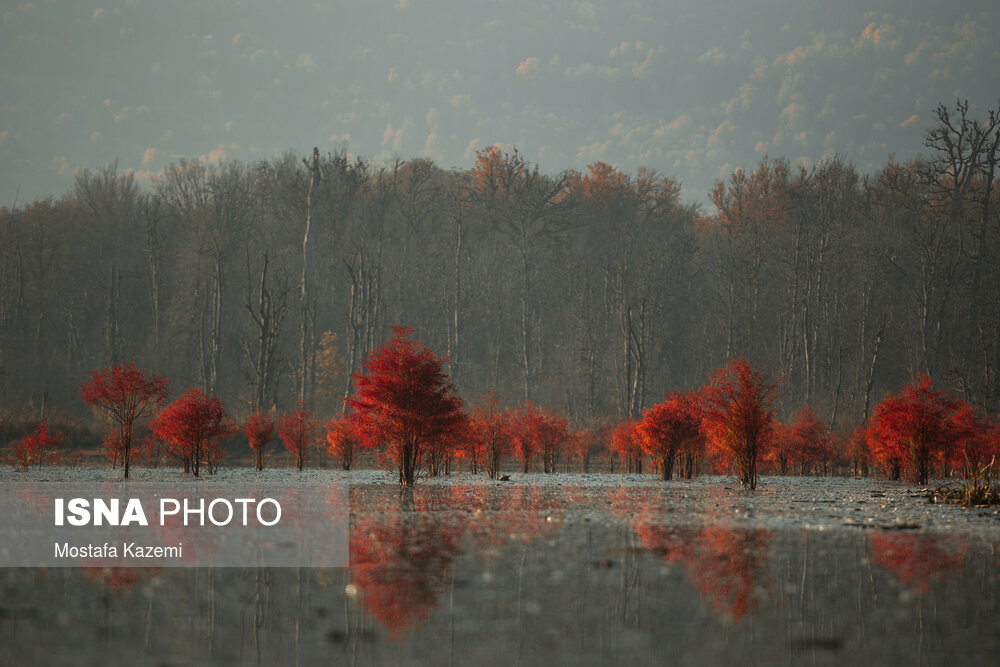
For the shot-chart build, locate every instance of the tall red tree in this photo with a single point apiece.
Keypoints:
(298, 430)
(913, 430)
(194, 425)
(259, 429)
(124, 393)
(406, 402)
(738, 416)
(666, 428)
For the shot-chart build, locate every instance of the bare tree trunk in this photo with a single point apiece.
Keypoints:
(153, 258)
(305, 351)
(525, 338)
(267, 314)
(112, 321)
(454, 340)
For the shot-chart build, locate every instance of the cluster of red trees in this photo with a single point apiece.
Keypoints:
(193, 426)
(405, 409)
(37, 448)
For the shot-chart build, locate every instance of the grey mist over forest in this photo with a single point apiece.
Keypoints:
(691, 88)
(582, 205)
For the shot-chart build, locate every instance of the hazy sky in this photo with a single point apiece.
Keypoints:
(692, 88)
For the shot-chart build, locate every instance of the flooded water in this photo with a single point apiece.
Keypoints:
(559, 570)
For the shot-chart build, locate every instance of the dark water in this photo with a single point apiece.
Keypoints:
(507, 574)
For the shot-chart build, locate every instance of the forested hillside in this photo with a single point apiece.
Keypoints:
(592, 293)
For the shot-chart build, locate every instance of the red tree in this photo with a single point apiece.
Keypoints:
(583, 443)
(259, 430)
(489, 435)
(781, 453)
(342, 440)
(738, 416)
(552, 435)
(627, 442)
(914, 429)
(37, 447)
(297, 430)
(813, 441)
(805, 443)
(668, 427)
(124, 393)
(522, 429)
(405, 402)
(194, 425)
(858, 452)
(975, 443)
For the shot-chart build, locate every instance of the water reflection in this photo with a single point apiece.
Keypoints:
(404, 547)
(919, 559)
(501, 575)
(727, 566)
(121, 578)
(400, 561)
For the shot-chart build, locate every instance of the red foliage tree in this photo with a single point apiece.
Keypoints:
(405, 402)
(781, 453)
(124, 393)
(552, 435)
(342, 440)
(738, 417)
(441, 451)
(975, 443)
(259, 429)
(668, 427)
(37, 447)
(490, 435)
(194, 425)
(805, 443)
(522, 429)
(857, 451)
(627, 442)
(297, 430)
(913, 430)
(812, 439)
(582, 444)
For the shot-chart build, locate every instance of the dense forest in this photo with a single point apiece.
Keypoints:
(591, 293)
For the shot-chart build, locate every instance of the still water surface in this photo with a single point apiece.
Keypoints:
(801, 572)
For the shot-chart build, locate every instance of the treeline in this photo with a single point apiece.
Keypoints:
(591, 293)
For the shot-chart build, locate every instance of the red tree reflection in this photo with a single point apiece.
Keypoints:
(918, 559)
(401, 563)
(727, 566)
(405, 551)
(122, 578)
